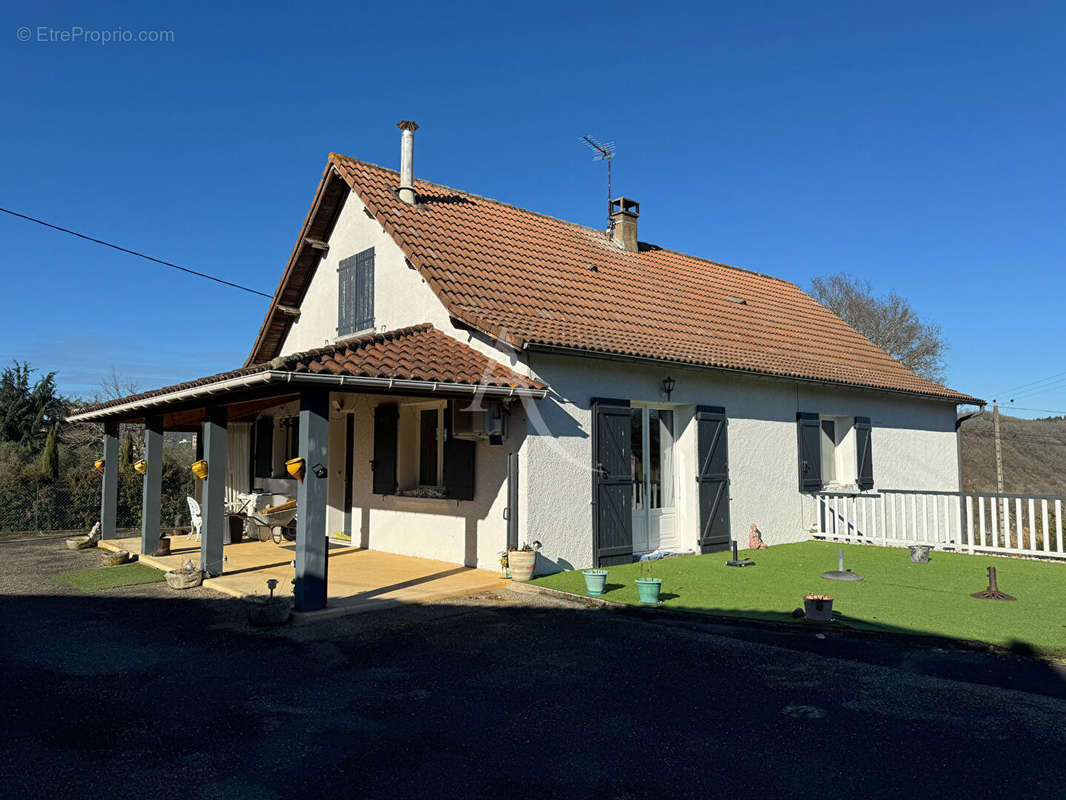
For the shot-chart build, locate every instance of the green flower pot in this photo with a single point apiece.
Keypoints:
(595, 580)
(648, 589)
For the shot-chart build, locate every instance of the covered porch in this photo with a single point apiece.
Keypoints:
(406, 372)
(357, 579)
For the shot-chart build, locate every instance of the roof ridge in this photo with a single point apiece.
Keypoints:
(589, 228)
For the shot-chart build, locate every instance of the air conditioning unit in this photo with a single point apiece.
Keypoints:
(478, 420)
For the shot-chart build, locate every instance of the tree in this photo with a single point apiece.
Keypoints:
(28, 412)
(50, 455)
(889, 322)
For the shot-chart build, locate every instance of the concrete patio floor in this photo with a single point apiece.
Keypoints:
(358, 579)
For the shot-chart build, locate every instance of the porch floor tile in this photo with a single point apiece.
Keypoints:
(358, 579)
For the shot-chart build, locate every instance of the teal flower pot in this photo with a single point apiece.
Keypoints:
(648, 589)
(595, 580)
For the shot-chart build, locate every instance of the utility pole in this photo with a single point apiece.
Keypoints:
(999, 449)
(999, 473)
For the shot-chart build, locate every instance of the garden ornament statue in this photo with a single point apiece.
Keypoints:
(992, 592)
(755, 541)
(841, 574)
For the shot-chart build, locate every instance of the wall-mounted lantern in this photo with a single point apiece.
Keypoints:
(199, 469)
(668, 386)
(98, 465)
(141, 466)
(295, 467)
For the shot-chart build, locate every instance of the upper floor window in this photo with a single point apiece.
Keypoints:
(355, 293)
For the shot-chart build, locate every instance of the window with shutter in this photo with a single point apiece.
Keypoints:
(355, 293)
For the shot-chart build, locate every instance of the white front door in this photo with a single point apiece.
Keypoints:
(654, 491)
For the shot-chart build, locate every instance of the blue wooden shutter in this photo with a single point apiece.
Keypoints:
(712, 477)
(460, 455)
(346, 272)
(809, 435)
(864, 452)
(364, 290)
(612, 482)
(386, 418)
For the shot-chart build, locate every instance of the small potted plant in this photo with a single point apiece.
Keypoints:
(818, 608)
(595, 580)
(920, 553)
(522, 561)
(648, 586)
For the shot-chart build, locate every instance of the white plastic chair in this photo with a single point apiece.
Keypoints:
(195, 517)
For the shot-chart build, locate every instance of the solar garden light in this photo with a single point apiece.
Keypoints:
(272, 584)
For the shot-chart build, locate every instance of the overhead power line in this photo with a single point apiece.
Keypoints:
(139, 255)
(1017, 389)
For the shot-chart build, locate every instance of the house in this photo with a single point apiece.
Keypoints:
(460, 375)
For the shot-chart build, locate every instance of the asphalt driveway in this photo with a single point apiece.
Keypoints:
(141, 692)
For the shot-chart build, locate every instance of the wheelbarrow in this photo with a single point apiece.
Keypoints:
(274, 519)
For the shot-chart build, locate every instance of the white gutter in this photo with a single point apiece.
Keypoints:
(279, 376)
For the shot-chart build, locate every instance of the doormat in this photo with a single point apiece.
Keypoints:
(96, 580)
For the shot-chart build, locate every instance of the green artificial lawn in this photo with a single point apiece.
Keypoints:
(895, 596)
(95, 580)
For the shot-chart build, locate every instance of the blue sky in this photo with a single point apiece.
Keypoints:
(916, 145)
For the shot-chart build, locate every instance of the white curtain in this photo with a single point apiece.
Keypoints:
(238, 461)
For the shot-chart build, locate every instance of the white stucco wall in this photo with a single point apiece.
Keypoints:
(913, 441)
(913, 445)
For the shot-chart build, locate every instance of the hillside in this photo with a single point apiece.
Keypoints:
(1034, 454)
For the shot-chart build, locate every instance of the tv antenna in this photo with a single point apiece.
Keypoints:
(604, 152)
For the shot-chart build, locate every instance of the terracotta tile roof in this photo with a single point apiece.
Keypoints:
(417, 353)
(537, 280)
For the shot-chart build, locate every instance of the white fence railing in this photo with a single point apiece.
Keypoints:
(986, 522)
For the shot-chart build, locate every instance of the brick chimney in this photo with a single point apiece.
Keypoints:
(407, 159)
(624, 213)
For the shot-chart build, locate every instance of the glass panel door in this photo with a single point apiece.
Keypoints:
(636, 427)
(652, 440)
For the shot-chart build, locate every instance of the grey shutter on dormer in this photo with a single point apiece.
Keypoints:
(809, 435)
(346, 297)
(364, 290)
(864, 453)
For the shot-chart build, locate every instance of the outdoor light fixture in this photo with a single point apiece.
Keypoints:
(199, 469)
(141, 466)
(319, 470)
(98, 465)
(295, 467)
(668, 386)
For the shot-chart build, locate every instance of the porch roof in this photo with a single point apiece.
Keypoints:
(418, 358)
